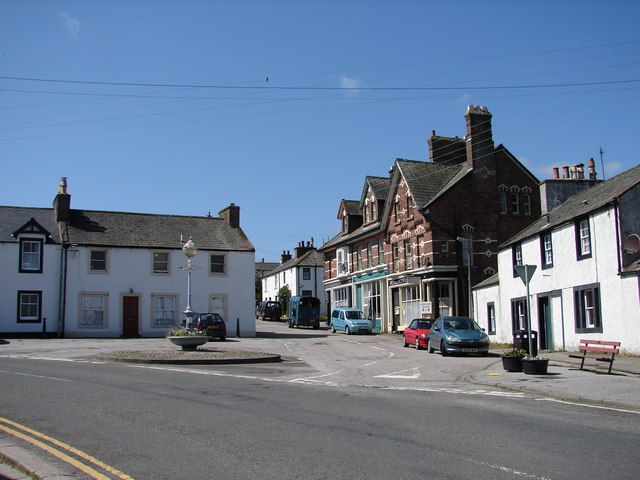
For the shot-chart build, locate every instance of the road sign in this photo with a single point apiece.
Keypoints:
(525, 272)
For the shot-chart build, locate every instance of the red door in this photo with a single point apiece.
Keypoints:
(130, 317)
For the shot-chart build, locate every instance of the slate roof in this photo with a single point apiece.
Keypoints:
(580, 204)
(352, 207)
(309, 259)
(124, 229)
(426, 180)
(358, 232)
(379, 186)
(487, 282)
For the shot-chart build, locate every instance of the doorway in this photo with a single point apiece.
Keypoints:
(130, 316)
(545, 329)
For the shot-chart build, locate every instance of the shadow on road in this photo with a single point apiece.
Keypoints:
(291, 335)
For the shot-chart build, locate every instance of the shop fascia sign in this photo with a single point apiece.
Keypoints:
(404, 281)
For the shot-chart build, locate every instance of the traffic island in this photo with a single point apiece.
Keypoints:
(201, 356)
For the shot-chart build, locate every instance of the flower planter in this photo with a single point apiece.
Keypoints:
(189, 342)
(535, 366)
(512, 364)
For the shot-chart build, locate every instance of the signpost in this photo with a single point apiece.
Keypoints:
(525, 272)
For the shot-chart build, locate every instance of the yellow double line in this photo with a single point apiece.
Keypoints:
(38, 439)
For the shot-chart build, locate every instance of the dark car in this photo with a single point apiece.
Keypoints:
(269, 310)
(212, 325)
(417, 333)
(458, 335)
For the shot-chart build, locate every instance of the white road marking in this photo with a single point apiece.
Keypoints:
(504, 469)
(455, 391)
(601, 407)
(416, 374)
(351, 341)
(36, 376)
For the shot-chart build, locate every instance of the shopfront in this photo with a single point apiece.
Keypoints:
(370, 298)
(406, 303)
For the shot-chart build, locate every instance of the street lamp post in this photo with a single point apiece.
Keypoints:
(469, 243)
(190, 250)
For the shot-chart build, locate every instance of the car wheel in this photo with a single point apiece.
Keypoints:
(333, 329)
(443, 348)
(417, 344)
(347, 330)
(223, 338)
(404, 342)
(429, 347)
(290, 324)
(484, 354)
(316, 327)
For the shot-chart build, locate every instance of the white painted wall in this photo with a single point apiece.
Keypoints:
(619, 296)
(131, 269)
(11, 281)
(294, 278)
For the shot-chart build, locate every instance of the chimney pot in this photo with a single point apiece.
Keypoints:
(555, 173)
(565, 171)
(433, 133)
(592, 169)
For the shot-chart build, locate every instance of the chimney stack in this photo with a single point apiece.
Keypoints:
(592, 169)
(303, 248)
(231, 215)
(565, 172)
(62, 202)
(555, 173)
(479, 138)
(285, 257)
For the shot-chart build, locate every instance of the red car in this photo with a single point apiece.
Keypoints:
(417, 333)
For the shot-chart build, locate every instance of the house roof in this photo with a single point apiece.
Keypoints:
(124, 229)
(379, 186)
(312, 258)
(487, 282)
(581, 204)
(426, 180)
(266, 266)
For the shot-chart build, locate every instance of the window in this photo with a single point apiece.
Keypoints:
(408, 255)
(345, 223)
(516, 252)
(502, 202)
(396, 210)
(374, 210)
(217, 264)
(526, 204)
(371, 300)
(356, 259)
(93, 310)
(419, 249)
(409, 206)
(306, 273)
(29, 303)
(381, 252)
(98, 261)
(396, 257)
(164, 310)
(583, 239)
(586, 304)
(491, 318)
(307, 293)
(160, 262)
(341, 297)
(365, 211)
(519, 314)
(546, 248)
(30, 255)
(515, 204)
(444, 247)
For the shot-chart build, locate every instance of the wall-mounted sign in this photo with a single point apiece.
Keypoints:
(404, 281)
(426, 308)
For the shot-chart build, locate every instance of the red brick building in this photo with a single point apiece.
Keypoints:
(404, 246)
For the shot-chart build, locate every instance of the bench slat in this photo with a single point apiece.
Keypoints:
(598, 349)
(599, 342)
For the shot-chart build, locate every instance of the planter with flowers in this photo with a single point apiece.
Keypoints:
(187, 338)
(512, 359)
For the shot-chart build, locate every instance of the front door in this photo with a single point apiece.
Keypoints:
(130, 316)
(545, 336)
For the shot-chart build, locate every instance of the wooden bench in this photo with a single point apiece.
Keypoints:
(597, 347)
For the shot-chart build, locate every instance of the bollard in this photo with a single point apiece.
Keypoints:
(44, 325)
(238, 327)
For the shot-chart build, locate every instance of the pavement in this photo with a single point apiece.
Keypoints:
(564, 382)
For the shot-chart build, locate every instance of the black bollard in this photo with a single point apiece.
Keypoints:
(238, 327)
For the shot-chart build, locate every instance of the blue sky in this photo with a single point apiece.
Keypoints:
(178, 116)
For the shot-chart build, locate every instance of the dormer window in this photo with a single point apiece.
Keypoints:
(345, 223)
(396, 210)
(30, 255)
(374, 210)
(366, 212)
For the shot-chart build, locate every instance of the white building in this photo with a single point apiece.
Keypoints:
(81, 273)
(587, 278)
(303, 274)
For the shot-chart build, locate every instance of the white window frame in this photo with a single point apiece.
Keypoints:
(82, 310)
(306, 273)
(224, 264)
(106, 260)
(163, 320)
(157, 271)
(27, 267)
(26, 299)
(372, 300)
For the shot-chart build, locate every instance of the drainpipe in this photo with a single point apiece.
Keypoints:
(617, 225)
(62, 289)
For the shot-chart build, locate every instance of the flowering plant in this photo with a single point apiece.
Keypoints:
(515, 352)
(184, 332)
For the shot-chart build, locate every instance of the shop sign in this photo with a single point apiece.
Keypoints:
(426, 308)
(404, 281)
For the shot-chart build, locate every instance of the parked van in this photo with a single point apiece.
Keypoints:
(349, 320)
(304, 312)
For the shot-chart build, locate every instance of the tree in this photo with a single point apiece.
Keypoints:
(284, 294)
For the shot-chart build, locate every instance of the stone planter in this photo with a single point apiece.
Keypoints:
(512, 364)
(189, 342)
(535, 366)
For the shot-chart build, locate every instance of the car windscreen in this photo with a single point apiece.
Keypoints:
(211, 318)
(424, 325)
(354, 315)
(463, 324)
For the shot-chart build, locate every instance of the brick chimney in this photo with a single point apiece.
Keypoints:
(446, 150)
(479, 137)
(285, 257)
(231, 215)
(303, 248)
(62, 202)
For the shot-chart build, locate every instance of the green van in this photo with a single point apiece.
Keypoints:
(304, 311)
